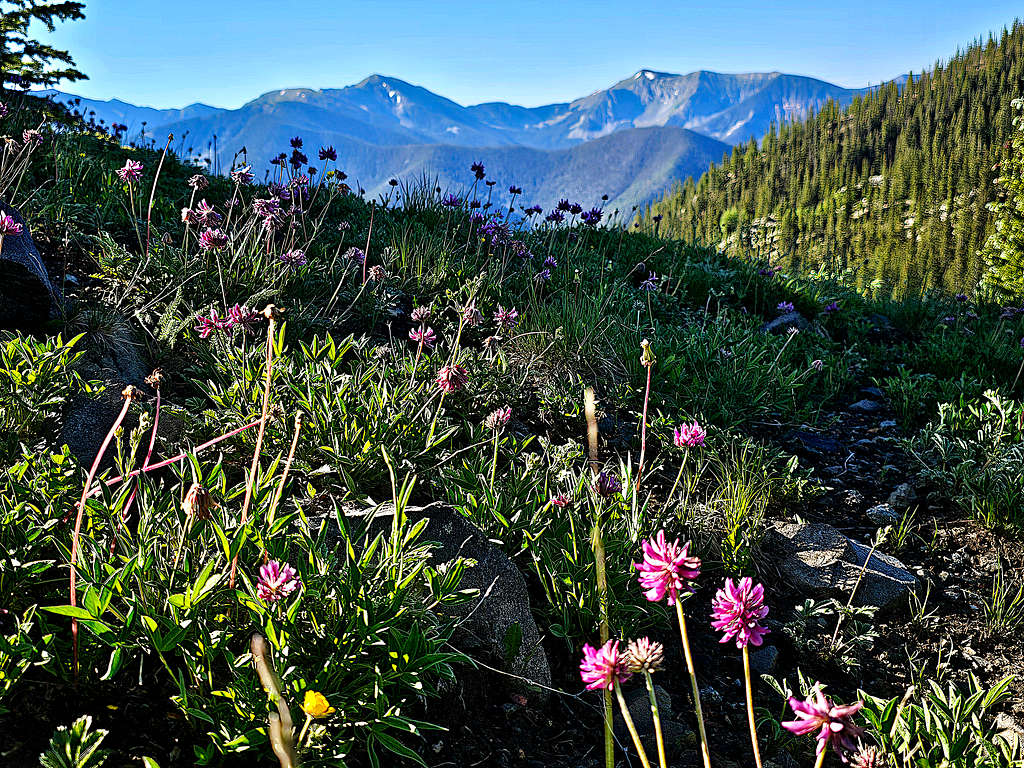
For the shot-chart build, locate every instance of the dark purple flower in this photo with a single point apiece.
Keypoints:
(356, 255)
(198, 182)
(131, 172)
(294, 258)
(451, 201)
(243, 176)
(592, 217)
(241, 316)
(478, 170)
(424, 336)
(32, 137)
(533, 210)
(506, 318)
(651, 283)
(550, 263)
(555, 217)
(563, 205)
(543, 276)
(296, 143)
(785, 307)
(514, 190)
(606, 484)
(213, 240)
(451, 378)
(328, 153)
(575, 209)
(832, 307)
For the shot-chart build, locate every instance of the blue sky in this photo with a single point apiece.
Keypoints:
(226, 52)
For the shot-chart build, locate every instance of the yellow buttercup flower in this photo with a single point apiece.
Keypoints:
(315, 705)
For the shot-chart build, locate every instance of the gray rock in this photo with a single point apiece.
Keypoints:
(873, 392)
(1011, 730)
(765, 660)
(820, 561)
(27, 298)
(497, 625)
(783, 323)
(883, 514)
(87, 418)
(866, 406)
(677, 736)
(903, 496)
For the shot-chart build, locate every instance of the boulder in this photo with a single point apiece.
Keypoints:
(677, 736)
(902, 497)
(866, 406)
(27, 297)
(497, 625)
(764, 660)
(820, 561)
(783, 323)
(883, 514)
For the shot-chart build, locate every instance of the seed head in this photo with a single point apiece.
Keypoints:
(197, 503)
(644, 655)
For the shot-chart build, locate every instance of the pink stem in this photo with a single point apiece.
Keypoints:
(643, 430)
(179, 457)
(149, 455)
(78, 519)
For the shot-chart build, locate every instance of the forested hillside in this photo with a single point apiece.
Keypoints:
(891, 190)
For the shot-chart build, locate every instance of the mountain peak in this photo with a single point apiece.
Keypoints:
(651, 74)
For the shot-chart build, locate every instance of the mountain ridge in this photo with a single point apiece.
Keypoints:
(400, 121)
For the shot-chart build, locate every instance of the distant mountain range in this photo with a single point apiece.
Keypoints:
(630, 141)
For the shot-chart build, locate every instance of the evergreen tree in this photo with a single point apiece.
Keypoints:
(1004, 249)
(26, 62)
(892, 189)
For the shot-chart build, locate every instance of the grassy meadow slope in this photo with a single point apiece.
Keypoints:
(345, 353)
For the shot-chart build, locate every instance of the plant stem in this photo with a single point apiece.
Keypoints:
(152, 191)
(179, 457)
(643, 436)
(693, 683)
(821, 759)
(494, 460)
(750, 706)
(433, 423)
(287, 467)
(679, 475)
(305, 727)
(632, 728)
(254, 467)
(657, 719)
(602, 591)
